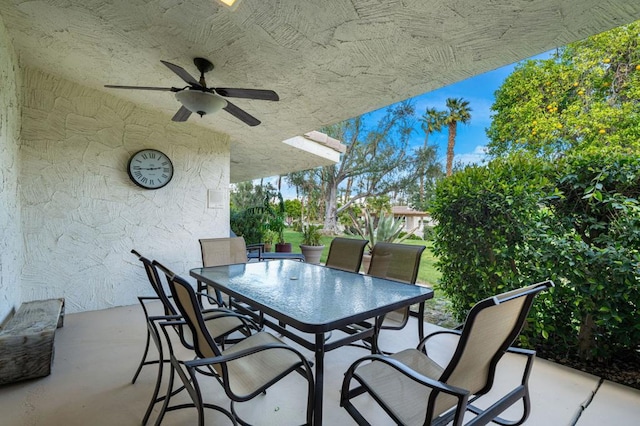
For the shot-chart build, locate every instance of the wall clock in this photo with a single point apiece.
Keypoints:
(150, 169)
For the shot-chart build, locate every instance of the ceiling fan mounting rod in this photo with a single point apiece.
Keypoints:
(204, 66)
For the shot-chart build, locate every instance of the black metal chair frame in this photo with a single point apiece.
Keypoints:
(171, 315)
(440, 385)
(417, 253)
(197, 365)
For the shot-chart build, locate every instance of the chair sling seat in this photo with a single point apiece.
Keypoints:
(219, 324)
(256, 371)
(403, 396)
(244, 370)
(399, 262)
(401, 383)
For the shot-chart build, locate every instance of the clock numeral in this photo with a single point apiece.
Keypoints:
(152, 182)
(166, 170)
(164, 176)
(145, 156)
(164, 163)
(144, 180)
(136, 167)
(138, 174)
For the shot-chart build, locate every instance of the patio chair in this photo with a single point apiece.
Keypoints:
(346, 254)
(225, 251)
(245, 370)
(221, 251)
(220, 322)
(398, 262)
(415, 390)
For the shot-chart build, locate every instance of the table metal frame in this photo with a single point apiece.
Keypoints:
(260, 284)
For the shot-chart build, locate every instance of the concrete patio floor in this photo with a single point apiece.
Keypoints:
(96, 354)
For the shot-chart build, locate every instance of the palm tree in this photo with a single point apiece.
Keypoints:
(432, 122)
(459, 112)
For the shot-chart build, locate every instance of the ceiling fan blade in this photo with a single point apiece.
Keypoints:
(241, 114)
(182, 73)
(265, 95)
(183, 114)
(164, 89)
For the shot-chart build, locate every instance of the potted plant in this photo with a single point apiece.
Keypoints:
(386, 230)
(276, 224)
(268, 237)
(311, 246)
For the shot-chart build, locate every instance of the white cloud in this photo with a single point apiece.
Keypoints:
(478, 156)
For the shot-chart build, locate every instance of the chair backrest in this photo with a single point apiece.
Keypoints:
(184, 333)
(346, 254)
(188, 306)
(223, 251)
(491, 327)
(156, 284)
(399, 262)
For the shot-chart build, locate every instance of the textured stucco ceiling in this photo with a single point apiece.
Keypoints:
(328, 60)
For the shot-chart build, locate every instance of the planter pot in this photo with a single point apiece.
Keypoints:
(283, 248)
(267, 247)
(311, 253)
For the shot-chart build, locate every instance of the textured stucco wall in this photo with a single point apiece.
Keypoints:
(10, 232)
(82, 215)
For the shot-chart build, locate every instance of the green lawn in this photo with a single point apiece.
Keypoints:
(427, 274)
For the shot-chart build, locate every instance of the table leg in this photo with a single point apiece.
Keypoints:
(319, 378)
(377, 325)
(421, 321)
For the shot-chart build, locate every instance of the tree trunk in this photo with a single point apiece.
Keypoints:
(423, 172)
(585, 337)
(330, 212)
(451, 143)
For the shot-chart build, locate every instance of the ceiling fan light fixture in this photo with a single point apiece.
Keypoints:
(231, 4)
(200, 102)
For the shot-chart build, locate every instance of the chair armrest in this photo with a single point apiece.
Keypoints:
(143, 298)
(527, 352)
(530, 354)
(221, 312)
(211, 299)
(243, 353)
(406, 371)
(258, 248)
(423, 342)
(169, 319)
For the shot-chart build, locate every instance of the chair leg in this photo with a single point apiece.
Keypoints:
(154, 397)
(195, 393)
(143, 360)
(167, 397)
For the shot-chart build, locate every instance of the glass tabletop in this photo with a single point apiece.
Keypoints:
(313, 297)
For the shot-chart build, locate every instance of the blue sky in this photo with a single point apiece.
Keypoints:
(471, 138)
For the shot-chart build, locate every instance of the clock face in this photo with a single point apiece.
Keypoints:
(150, 169)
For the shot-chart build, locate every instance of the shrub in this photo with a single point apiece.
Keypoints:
(519, 220)
(483, 217)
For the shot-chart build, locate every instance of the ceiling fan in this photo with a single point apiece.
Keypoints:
(198, 98)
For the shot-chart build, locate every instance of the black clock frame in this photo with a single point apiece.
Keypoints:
(140, 184)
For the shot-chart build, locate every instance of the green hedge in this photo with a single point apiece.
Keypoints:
(520, 220)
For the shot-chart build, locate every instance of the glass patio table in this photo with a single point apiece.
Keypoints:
(313, 299)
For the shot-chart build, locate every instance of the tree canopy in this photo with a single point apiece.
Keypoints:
(378, 161)
(585, 96)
